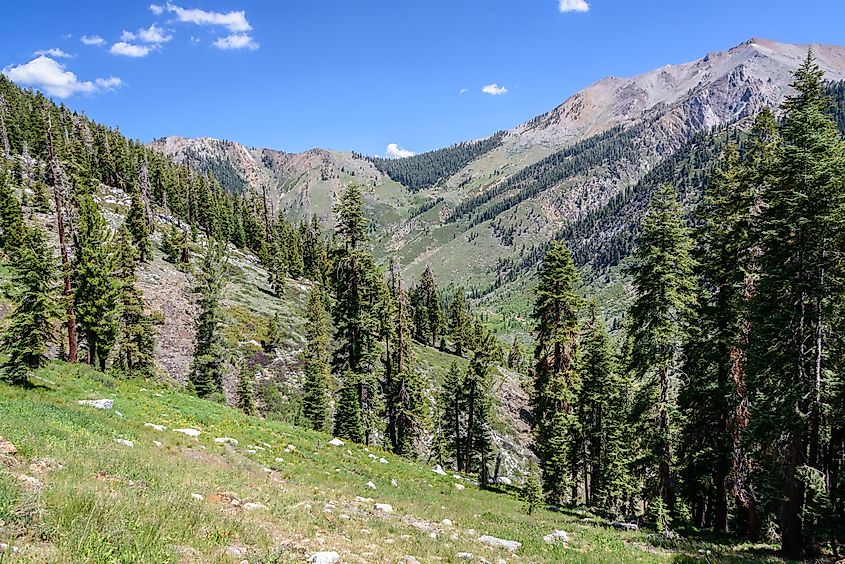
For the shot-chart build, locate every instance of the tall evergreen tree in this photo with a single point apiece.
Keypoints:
(245, 392)
(451, 402)
(207, 367)
(427, 312)
(96, 289)
(316, 401)
(460, 323)
(136, 222)
(478, 386)
(136, 336)
(662, 272)
(36, 306)
(800, 292)
(11, 218)
(555, 374)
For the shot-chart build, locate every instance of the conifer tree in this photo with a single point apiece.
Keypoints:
(174, 243)
(136, 336)
(96, 289)
(477, 387)
(532, 490)
(800, 290)
(359, 289)
(348, 423)
(316, 406)
(36, 306)
(515, 356)
(245, 392)
(555, 374)
(136, 222)
(460, 323)
(664, 284)
(11, 218)
(207, 367)
(275, 333)
(452, 404)
(428, 315)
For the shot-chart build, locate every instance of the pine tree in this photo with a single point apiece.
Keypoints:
(348, 423)
(174, 243)
(275, 333)
(515, 356)
(36, 306)
(136, 221)
(662, 272)
(96, 289)
(460, 323)
(316, 399)
(245, 393)
(800, 292)
(532, 491)
(477, 387)
(207, 367)
(11, 218)
(555, 375)
(428, 315)
(451, 402)
(136, 335)
(359, 289)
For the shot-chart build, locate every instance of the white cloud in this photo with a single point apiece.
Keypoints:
(53, 78)
(152, 34)
(236, 41)
(394, 151)
(54, 52)
(573, 5)
(92, 40)
(129, 50)
(235, 22)
(463, 91)
(156, 9)
(494, 89)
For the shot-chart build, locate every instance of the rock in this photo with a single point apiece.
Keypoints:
(373, 456)
(460, 487)
(190, 432)
(464, 556)
(447, 522)
(361, 499)
(371, 485)
(557, 536)
(410, 560)
(6, 548)
(226, 441)
(156, 427)
(159, 444)
(505, 481)
(510, 545)
(439, 470)
(197, 497)
(30, 481)
(125, 443)
(279, 459)
(433, 535)
(326, 557)
(98, 404)
(336, 442)
(394, 483)
(624, 526)
(382, 461)
(235, 551)
(252, 506)
(6, 447)
(119, 414)
(344, 517)
(251, 451)
(384, 507)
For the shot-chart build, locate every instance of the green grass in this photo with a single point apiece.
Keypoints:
(100, 501)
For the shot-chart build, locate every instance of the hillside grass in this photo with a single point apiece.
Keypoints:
(73, 494)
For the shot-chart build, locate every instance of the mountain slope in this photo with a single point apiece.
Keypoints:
(542, 178)
(80, 484)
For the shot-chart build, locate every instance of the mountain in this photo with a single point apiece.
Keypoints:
(476, 210)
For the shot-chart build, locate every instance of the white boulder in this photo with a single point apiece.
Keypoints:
(125, 443)
(156, 427)
(384, 507)
(504, 480)
(336, 442)
(98, 404)
(226, 441)
(325, 557)
(510, 545)
(557, 536)
(190, 432)
(439, 470)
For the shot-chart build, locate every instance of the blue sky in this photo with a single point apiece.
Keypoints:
(359, 75)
